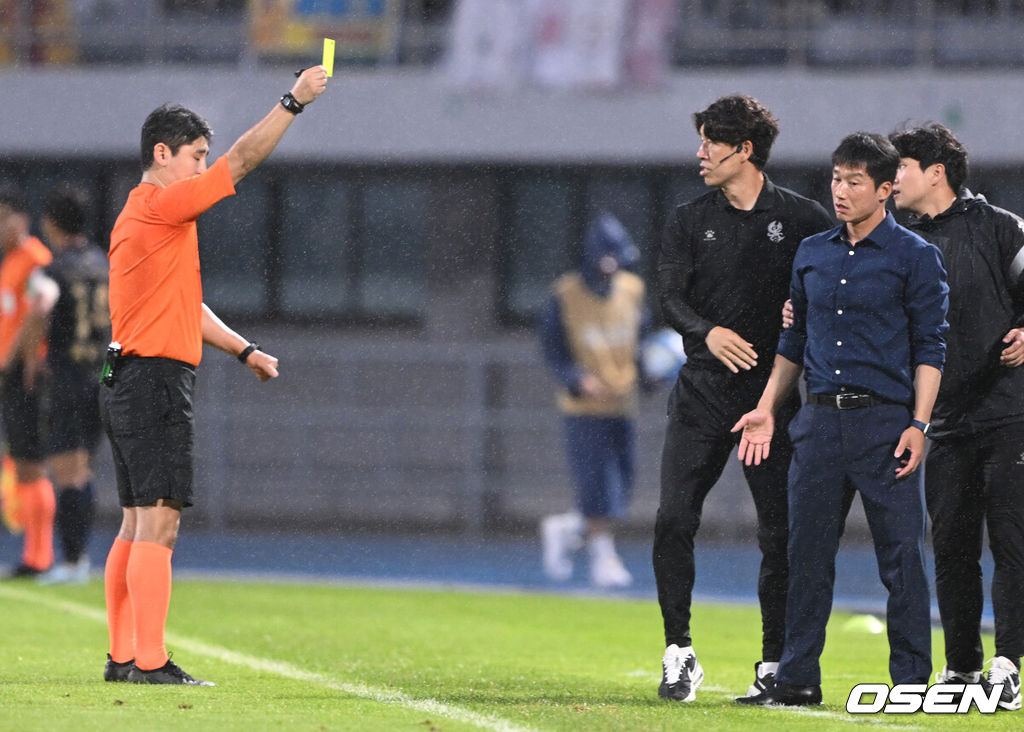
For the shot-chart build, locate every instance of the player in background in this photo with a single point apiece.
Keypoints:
(23, 256)
(590, 332)
(974, 476)
(76, 327)
(160, 322)
(722, 277)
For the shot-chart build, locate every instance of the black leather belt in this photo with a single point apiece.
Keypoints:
(846, 401)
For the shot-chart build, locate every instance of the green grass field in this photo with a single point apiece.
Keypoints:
(326, 657)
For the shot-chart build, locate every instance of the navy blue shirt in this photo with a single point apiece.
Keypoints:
(866, 315)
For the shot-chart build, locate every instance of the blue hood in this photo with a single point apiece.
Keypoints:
(606, 236)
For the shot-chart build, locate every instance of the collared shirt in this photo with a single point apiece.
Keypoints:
(866, 315)
(156, 291)
(721, 266)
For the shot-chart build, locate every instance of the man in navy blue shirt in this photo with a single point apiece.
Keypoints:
(869, 318)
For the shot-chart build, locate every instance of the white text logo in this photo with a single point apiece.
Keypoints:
(911, 698)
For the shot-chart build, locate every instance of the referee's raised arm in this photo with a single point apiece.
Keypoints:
(253, 147)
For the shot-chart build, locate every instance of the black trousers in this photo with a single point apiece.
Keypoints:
(702, 410)
(972, 482)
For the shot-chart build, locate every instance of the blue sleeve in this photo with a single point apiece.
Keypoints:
(555, 348)
(793, 340)
(927, 299)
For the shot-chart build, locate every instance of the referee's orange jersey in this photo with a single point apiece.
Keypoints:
(17, 266)
(156, 293)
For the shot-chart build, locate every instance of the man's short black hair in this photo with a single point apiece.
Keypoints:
(738, 118)
(68, 208)
(934, 143)
(12, 197)
(871, 150)
(174, 126)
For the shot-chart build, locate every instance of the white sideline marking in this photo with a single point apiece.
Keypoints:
(281, 668)
(384, 696)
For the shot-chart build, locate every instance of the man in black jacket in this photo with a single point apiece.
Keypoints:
(975, 468)
(723, 274)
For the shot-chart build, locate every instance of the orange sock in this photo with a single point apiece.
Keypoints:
(9, 496)
(149, 585)
(37, 507)
(119, 604)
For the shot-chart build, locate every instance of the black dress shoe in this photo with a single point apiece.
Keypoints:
(784, 695)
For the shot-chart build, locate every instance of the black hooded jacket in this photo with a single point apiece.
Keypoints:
(983, 247)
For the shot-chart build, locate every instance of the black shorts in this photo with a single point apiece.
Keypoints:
(23, 417)
(148, 417)
(74, 420)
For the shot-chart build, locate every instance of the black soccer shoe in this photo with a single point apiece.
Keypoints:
(114, 671)
(764, 675)
(948, 676)
(23, 571)
(169, 673)
(1004, 673)
(681, 674)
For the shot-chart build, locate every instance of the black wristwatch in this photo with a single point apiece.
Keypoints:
(292, 104)
(247, 351)
(923, 426)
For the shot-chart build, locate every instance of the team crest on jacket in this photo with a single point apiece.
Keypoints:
(775, 232)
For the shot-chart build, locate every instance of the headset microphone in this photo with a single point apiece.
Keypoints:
(739, 148)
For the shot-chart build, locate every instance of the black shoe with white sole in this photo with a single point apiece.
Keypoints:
(1004, 672)
(681, 674)
(764, 674)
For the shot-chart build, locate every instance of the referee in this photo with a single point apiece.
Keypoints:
(161, 323)
(723, 275)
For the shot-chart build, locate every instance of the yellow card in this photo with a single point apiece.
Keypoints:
(329, 56)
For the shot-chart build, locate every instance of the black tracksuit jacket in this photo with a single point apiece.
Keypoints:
(983, 248)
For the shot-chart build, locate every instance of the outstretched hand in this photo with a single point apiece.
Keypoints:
(758, 427)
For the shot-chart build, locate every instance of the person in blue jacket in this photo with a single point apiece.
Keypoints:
(590, 330)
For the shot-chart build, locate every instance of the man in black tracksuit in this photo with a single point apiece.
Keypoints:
(723, 275)
(975, 468)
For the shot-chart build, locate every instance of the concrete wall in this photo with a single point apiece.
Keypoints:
(417, 116)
